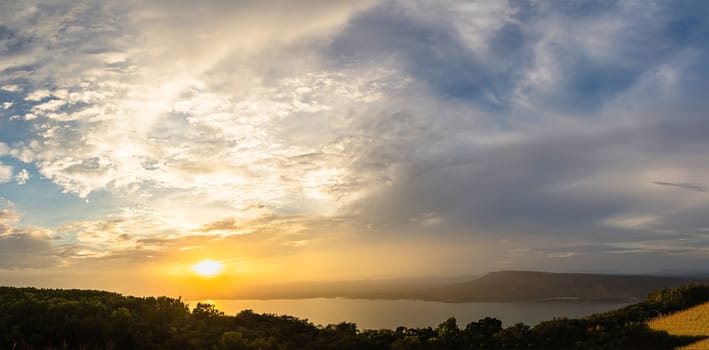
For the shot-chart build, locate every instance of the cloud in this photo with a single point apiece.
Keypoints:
(23, 247)
(227, 224)
(164, 135)
(478, 122)
(513, 55)
(10, 88)
(22, 177)
(428, 50)
(8, 217)
(113, 236)
(26, 249)
(686, 186)
(6, 172)
(38, 95)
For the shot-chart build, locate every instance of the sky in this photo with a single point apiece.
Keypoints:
(339, 140)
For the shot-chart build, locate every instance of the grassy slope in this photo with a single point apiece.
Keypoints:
(692, 322)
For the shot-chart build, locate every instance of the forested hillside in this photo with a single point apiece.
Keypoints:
(46, 318)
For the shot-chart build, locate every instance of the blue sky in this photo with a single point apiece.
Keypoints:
(346, 140)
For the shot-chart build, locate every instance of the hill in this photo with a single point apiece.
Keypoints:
(545, 286)
(503, 286)
(691, 322)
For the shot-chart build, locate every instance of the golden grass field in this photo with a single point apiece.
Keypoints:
(692, 322)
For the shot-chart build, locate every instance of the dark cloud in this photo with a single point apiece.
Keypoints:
(564, 184)
(22, 247)
(26, 249)
(429, 51)
(517, 187)
(615, 66)
(593, 50)
(686, 186)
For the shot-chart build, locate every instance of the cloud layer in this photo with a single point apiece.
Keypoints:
(542, 130)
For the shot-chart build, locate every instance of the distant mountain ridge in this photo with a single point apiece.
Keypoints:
(501, 286)
(547, 286)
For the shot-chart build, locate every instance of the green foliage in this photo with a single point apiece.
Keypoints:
(76, 319)
(679, 298)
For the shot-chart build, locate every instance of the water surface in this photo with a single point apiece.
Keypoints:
(375, 314)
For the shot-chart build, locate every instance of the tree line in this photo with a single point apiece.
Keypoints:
(32, 318)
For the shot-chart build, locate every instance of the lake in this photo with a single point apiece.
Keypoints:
(376, 314)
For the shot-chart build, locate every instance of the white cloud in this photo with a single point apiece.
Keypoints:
(130, 230)
(49, 106)
(37, 95)
(184, 135)
(22, 177)
(23, 151)
(10, 88)
(6, 172)
(134, 119)
(8, 216)
(630, 222)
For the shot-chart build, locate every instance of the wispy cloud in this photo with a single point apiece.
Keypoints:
(686, 186)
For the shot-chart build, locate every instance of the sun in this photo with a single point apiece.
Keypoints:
(208, 268)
